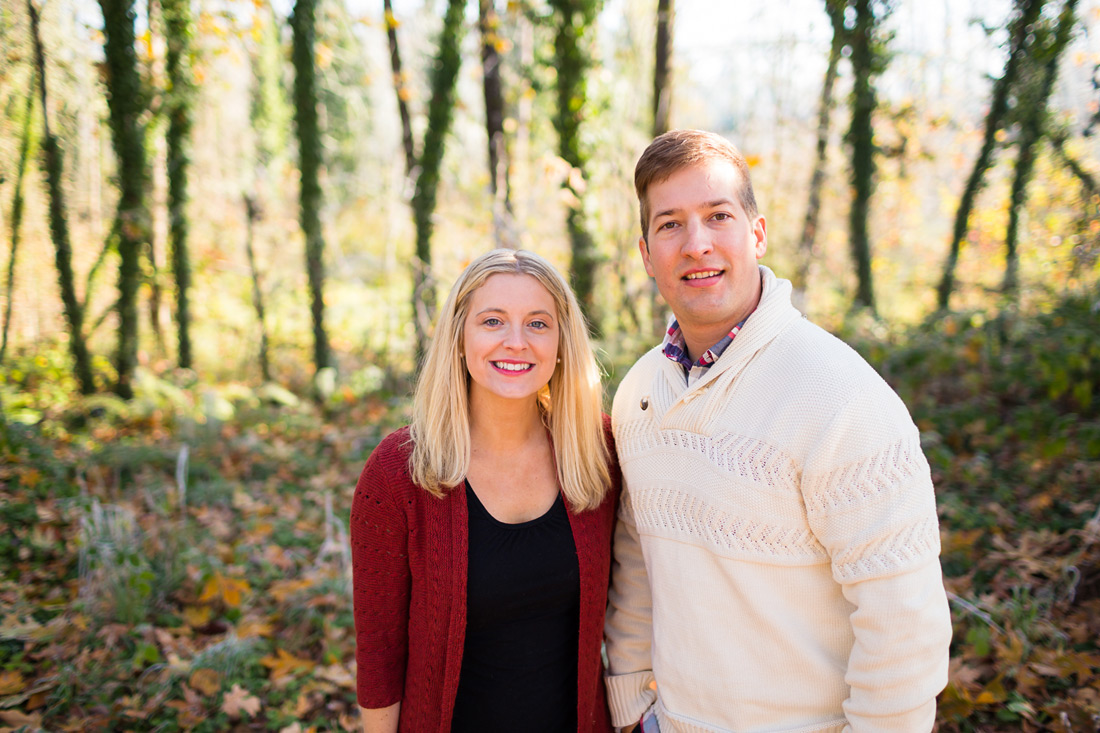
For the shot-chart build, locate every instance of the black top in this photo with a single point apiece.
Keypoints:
(519, 663)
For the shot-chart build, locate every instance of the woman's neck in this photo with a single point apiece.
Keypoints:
(505, 424)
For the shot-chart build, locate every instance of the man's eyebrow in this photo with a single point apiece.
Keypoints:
(706, 205)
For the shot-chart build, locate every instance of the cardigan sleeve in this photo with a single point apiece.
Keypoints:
(628, 628)
(870, 502)
(380, 578)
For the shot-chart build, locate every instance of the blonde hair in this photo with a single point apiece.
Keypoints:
(570, 405)
(677, 149)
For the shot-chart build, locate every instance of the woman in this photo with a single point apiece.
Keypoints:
(481, 532)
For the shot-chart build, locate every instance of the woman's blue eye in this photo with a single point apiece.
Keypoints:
(493, 321)
(539, 324)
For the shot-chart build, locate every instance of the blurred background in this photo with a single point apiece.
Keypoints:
(226, 226)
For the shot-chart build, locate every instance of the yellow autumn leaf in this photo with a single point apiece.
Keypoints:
(280, 590)
(196, 616)
(206, 681)
(254, 627)
(11, 682)
(228, 590)
(284, 664)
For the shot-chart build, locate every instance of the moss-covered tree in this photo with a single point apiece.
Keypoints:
(444, 78)
(1042, 71)
(28, 141)
(126, 102)
(179, 101)
(303, 23)
(52, 158)
(493, 88)
(574, 23)
(868, 58)
(1025, 13)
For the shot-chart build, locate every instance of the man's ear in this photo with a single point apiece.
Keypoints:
(643, 247)
(760, 234)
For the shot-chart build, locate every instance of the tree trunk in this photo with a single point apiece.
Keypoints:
(26, 144)
(499, 182)
(1031, 132)
(401, 89)
(662, 67)
(59, 225)
(662, 113)
(800, 280)
(125, 102)
(177, 24)
(861, 138)
(574, 21)
(1028, 12)
(303, 23)
(444, 79)
(252, 211)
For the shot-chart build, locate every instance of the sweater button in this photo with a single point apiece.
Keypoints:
(645, 403)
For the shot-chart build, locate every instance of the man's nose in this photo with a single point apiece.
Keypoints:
(697, 240)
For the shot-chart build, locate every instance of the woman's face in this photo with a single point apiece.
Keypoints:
(511, 338)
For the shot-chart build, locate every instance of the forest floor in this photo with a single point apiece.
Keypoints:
(180, 562)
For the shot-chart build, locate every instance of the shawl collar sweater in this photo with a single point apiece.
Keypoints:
(409, 562)
(776, 558)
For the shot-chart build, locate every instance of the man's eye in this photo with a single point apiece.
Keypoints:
(722, 216)
(667, 225)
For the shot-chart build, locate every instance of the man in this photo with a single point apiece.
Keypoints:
(777, 554)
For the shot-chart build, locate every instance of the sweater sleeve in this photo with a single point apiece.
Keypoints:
(870, 502)
(628, 628)
(380, 579)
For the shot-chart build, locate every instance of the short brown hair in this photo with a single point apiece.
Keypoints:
(677, 149)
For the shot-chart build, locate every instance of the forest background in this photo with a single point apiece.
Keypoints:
(228, 224)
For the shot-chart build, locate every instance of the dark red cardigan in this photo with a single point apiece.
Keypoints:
(409, 557)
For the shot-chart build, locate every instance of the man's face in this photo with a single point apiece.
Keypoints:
(703, 249)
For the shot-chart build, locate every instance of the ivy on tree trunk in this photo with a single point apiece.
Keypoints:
(59, 225)
(444, 78)
(1032, 127)
(303, 23)
(177, 25)
(1027, 12)
(125, 101)
(865, 60)
(574, 23)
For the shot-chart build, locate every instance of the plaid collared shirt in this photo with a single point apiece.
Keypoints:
(676, 348)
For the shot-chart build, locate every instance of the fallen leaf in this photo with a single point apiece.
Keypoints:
(285, 664)
(239, 700)
(223, 587)
(206, 681)
(11, 681)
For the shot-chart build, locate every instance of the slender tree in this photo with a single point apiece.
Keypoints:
(59, 225)
(825, 104)
(303, 23)
(489, 27)
(1026, 12)
(662, 113)
(177, 26)
(574, 25)
(27, 143)
(868, 59)
(401, 88)
(252, 212)
(662, 67)
(444, 79)
(1032, 129)
(125, 100)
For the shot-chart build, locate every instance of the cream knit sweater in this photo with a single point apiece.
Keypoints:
(776, 560)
